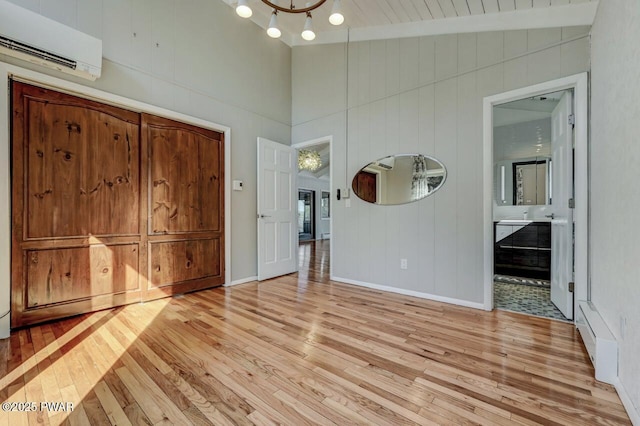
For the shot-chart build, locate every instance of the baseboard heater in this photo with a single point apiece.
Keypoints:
(599, 341)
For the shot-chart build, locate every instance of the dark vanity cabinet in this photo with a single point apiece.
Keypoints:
(523, 250)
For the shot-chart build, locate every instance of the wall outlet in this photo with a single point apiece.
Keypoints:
(403, 264)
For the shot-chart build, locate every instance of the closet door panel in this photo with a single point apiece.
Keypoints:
(186, 199)
(76, 206)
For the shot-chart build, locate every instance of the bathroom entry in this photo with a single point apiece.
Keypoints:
(533, 223)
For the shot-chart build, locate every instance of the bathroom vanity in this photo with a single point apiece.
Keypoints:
(522, 248)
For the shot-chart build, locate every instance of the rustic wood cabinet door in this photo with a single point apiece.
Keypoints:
(109, 206)
(186, 202)
(76, 205)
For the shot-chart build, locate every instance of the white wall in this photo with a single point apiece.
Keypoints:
(196, 57)
(323, 226)
(419, 95)
(615, 197)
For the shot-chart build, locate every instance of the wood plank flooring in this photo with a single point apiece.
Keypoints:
(301, 350)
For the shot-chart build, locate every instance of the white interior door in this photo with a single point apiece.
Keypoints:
(277, 215)
(562, 221)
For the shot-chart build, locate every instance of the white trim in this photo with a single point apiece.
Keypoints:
(633, 413)
(5, 326)
(413, 293)
(7, 71)
(318, 141)
(578, 83)
(242, 281)
(544, 17)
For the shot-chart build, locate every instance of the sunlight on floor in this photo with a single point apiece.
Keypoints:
(51, 377)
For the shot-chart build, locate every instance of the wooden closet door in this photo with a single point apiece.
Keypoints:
(76, 207)
(186, 206)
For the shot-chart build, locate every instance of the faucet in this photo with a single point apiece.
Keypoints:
(552, 216)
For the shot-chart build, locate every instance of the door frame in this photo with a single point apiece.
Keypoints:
(306, 144)
(33, 77)
(579, 84)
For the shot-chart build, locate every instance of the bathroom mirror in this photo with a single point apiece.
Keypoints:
(523, 182)
(399, 179)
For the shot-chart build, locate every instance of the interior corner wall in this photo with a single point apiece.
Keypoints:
(198, 58)
(420, 95)
(615, 198)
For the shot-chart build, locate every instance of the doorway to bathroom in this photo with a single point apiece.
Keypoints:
(533, 141)
(532, 145)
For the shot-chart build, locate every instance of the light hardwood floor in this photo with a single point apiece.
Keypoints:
(302, 350)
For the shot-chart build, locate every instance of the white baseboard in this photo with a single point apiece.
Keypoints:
(421, 295)
(241, 281)
(633, 413)
(5, 326)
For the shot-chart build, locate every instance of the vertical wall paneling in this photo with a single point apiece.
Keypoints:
(441, 236)
(467, 48)
(614, 201)
(446, 134)
(490, 47)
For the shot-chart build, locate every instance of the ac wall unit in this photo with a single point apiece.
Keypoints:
(31, 37)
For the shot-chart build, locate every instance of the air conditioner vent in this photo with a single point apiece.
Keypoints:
(38, 53)
(28, 36)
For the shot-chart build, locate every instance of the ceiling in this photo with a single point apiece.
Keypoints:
(523, 110)
(522, 128)
(374, 19)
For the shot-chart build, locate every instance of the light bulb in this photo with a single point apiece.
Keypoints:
(307, 32)
(243, 10)
(273, 31)
(336, 17)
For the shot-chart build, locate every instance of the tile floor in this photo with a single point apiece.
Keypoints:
(517, 295)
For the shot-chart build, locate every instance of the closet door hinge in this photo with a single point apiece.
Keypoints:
(572, 203)
(571, 287)
(572, 119)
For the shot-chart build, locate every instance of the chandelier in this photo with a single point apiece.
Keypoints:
(309, 160)
(336, 17)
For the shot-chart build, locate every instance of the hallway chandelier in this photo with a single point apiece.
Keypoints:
(336, 17)
(309, 160)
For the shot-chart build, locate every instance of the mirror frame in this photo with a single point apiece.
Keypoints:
(412, 155)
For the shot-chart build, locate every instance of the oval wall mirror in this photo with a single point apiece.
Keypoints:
(399, 179)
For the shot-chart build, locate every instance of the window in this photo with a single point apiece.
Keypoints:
(324, 208)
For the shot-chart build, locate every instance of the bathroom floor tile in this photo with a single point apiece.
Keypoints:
(528, 299)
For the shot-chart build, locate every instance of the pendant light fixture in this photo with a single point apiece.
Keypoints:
(336, 18)
(309, 160)
(273, 31)
(307, 31)
(243, 10)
